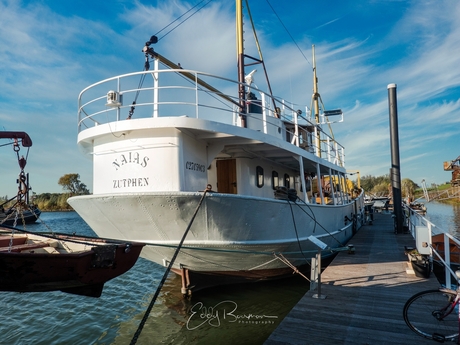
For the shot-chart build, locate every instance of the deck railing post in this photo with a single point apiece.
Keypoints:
(118, 91)
(196, 98)
(447, 260)
(342, 156)
(296, 129)
(264, 112)
(317, 276)
(156, 85)
(316, 266)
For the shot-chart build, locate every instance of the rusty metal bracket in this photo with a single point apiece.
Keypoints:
(104, 256)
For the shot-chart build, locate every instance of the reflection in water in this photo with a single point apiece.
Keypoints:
(239, 314)
(445, 216)
(456, 210)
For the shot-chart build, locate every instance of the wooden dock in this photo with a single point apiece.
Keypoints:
(365, 295)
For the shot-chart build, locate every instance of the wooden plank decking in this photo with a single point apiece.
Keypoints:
(365, 294)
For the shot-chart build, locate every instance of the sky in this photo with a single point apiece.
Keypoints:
(51, 50)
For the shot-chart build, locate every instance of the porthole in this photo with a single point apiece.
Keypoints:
(259, 176)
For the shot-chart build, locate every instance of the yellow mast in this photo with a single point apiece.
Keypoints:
(359, 176)
(240, 58)
(316, 103)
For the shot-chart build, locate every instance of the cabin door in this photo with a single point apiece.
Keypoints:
(226, 176)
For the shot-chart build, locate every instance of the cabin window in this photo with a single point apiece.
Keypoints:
(259, 176)
(275, 179)
(287, 181)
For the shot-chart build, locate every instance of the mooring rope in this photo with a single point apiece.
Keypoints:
(315, 221)
(285, 261)
(296, 233)
(165, 275)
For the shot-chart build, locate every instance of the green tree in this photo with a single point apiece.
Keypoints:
(72, 184)
(382, 188)
(376, 185)
(408, 188)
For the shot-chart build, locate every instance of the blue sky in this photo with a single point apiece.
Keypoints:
(51, 50)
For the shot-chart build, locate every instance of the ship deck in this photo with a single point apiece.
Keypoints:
(365, 295)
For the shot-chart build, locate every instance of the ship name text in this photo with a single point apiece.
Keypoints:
(130, 158)
(131, 182)
(195, 166)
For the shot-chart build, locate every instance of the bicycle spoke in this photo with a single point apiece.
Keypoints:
(431, 315)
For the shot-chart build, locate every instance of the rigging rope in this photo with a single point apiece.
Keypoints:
(182, 22)
(285, 28)
(296, 233)
(147, 64)
(165, 275)
(316, 222)
(141, 82)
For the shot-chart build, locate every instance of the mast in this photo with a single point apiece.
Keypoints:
(240, 59)
(316, 103)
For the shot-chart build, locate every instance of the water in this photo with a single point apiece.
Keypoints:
(445, 216)
(246, 313)
(59, 318)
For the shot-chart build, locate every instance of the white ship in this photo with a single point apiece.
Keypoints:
(262, 158)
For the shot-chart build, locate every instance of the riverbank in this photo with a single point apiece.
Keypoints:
(46, 202)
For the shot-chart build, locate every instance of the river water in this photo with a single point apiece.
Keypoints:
(445, 216)
(248, 313)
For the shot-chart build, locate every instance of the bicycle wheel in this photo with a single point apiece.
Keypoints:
(432, 314)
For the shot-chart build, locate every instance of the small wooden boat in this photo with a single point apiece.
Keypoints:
(418, 207)
(79, 265)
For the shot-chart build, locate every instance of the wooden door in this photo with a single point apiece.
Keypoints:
(226, 176)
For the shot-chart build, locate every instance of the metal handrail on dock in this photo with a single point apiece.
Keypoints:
(423, 231)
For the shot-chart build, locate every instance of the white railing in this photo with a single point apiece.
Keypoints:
(169, 92)
(422, 230)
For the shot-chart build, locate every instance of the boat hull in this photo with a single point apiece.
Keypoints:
(82, 273)
(27, 217)
(231, 235)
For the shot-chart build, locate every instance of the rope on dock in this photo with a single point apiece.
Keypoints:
(165, 275)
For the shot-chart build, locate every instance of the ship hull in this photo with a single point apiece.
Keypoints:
(231, 235)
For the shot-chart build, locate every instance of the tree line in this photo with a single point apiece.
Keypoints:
(381, 186)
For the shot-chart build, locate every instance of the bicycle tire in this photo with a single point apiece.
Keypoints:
(420, 315)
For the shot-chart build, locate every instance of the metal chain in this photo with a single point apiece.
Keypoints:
(12, 232)
(19, 206)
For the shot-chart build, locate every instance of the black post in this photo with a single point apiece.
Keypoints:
(395, 172)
